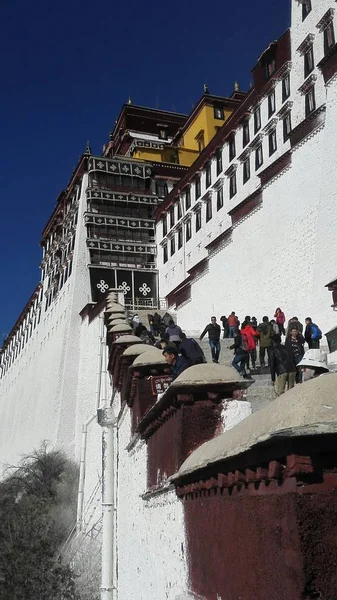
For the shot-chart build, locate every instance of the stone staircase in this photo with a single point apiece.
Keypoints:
(261, 392)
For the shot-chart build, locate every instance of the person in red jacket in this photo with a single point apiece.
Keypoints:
(280, 320)
(250, 337)
(233, 323)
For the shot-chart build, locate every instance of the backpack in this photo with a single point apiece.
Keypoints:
(247, 342)
(316, 333)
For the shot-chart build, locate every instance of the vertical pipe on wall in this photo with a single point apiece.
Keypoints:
(106, 421)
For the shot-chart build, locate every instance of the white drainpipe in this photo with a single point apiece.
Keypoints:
(80, 495)
(101, 367)
(106, 420)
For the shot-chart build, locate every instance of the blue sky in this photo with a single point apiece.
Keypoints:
(66, 69)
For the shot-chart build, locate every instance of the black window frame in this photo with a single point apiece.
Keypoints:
(180, 237)
(165, 254)
(272, 142)
(258, 156)
(245, 133)
(161, 188)
(188, 230)
(172, 217)
(326, 43)
(309, 62)
(306, 9)
(172, 245)
(179, 211)
(188, 198)
(219, 198)
(286, 128)
(198, 220)
(208, 175)
(308, 109)
(233, 188)
(246, 170)
(257, 119)
(162, 133)
(218, 158)
(197, 185)
(221, 112)
(164, 225)
(209, 210)
(269, 67)
(271, 103)
(285, 87)
(231, 147)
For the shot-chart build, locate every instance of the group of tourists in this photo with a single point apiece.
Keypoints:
(288, 362)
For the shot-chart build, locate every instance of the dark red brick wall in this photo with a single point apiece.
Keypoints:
(188, 428)
(272, 542)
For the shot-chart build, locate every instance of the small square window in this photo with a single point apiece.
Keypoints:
(272, 142)
(329, 38)
(306, 8)
(258, 157)
(173, 245)
(246, 170)
(218, 162)
(269, 68)
(219, 198)
(232, 185)
(172, 220)
(188, 230)
(257, 119)
(180, 238)
(286, 127)
(245, 133)
(165, 254)
(163, 134)
(198, 220)
(164, 225)
(271, 104)
(218, 112)
(197, 187)
(310, 102)
(309, 64)
(188, 198)
(285, 87)
(208, 210)
(231, 147)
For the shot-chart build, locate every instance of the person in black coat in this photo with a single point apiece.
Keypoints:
(177, 363)
(295, 344)
(191, 350)
(281, 364)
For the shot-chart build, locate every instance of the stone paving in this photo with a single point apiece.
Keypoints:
(261, 392)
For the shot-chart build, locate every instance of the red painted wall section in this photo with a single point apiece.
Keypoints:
(247, 548)
(143, 401)
(188, 428)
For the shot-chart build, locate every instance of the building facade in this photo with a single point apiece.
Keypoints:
(255, 230)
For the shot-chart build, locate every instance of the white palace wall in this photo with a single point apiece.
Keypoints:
(270, 259)
(39, 392)
(150, 533)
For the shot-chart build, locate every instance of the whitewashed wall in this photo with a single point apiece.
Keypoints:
(285, 253)
(38, 393)
(150, 533)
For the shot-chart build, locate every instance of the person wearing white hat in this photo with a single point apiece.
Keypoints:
(313, 364)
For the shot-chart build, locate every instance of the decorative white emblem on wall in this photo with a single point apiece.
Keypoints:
(102, 286)
(144, 289)
(124, 287)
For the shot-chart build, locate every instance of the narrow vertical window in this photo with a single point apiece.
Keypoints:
(232, 185)
(246, 170)
(219, 198)
(272, 142)
(258, 157)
